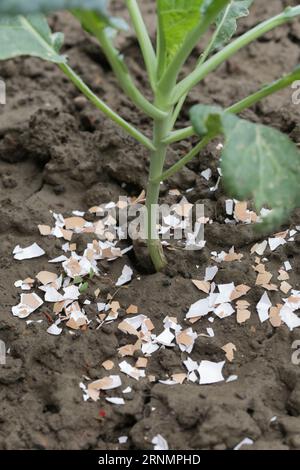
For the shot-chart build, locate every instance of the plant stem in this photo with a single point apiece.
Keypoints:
(240, 106)
(267, 90)
(157, 160)
(160, 48)
(203, 70)
(181, 134)
(124, 78)
(144, 40)
(131, 130)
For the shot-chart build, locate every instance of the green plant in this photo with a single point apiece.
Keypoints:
(257, 161)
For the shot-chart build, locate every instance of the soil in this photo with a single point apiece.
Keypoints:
(58, 153)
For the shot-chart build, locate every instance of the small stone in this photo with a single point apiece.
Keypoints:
(80, 102)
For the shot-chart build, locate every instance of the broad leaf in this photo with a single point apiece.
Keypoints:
(25, 7)
(98, 8)
(257, 161)
(29, 35)
(93, 22)
(227, 20)
(176, 19)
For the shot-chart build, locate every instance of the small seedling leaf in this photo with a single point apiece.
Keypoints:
(84, 287)
(258, 162)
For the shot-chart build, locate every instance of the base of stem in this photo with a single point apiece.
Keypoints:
(157, 255)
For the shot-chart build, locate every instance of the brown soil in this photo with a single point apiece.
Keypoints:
(56, 156)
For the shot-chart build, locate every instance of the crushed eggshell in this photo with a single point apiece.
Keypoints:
(125, 277)
(28, 304)
(32, 251)
(229, 349)
(210, 372)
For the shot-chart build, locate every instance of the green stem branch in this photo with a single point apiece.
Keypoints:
(240, 106)
(204, 69)
(157, 160)
(188, 157)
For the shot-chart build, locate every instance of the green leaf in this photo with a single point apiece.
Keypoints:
(29, 35)
(227, 21)
(25, 7)
(176, 19)
(258, 162)
(84, 287)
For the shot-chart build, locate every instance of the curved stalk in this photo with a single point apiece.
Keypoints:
(240, 106)
(183, 161)
(235, 109)
(211, 64)
(267, 90)
(157, 160)
(131, 130)
(181, 134)
(211, 43)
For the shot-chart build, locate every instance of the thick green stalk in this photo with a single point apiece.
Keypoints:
(204, 69)
(124, 78)
(157, 160)
(131, 130)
